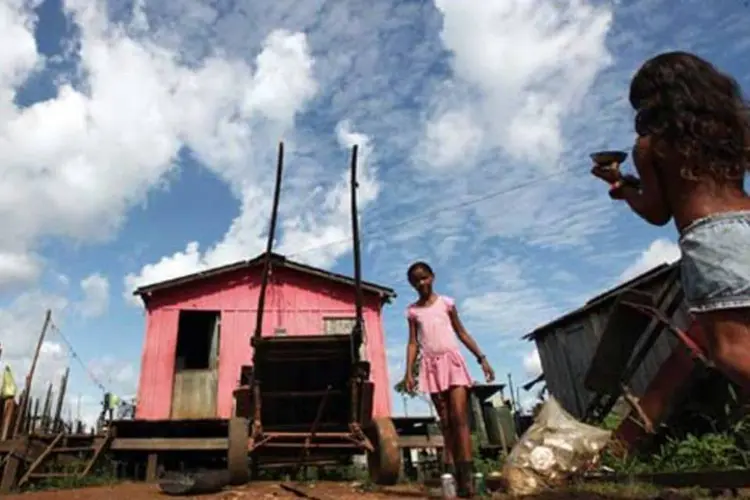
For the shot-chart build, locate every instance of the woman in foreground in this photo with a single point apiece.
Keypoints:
(692, 153)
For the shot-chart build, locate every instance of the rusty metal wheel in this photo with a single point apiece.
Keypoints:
(383, 464)
(239, 434)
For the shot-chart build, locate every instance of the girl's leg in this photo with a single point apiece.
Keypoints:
(459, 418)
(440, 400)
(728, 333)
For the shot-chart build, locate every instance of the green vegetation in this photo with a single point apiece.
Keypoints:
(710, 451)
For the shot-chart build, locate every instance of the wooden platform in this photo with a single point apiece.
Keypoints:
(40, 456)
(211, 434)
(27, 458)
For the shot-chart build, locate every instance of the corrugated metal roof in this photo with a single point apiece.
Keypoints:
(654, 274)
(276, 259)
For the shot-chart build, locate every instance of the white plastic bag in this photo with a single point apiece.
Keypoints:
(554, 449)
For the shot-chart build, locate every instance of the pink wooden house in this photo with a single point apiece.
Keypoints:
(198, 330)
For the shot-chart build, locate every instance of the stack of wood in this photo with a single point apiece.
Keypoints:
(34, 438)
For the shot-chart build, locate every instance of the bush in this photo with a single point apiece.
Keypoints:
(710, 451)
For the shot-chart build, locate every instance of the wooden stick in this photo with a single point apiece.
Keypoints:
(35, 416)
(46, 410)
(30, 377)
(269, 244)
(57, 421)
(358, 335)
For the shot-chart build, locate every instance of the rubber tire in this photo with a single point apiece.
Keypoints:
(237, 463)
(384, 463)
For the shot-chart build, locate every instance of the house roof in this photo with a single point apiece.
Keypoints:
(658, 272)
(276, 260)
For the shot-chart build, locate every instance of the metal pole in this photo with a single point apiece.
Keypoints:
(269, 244)
(359, 325)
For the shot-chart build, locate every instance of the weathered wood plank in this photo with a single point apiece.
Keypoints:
(194, 394)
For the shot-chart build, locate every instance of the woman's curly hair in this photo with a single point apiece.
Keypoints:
(695, 110)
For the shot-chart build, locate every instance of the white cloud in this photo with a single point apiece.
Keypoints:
(332, 223)
(532, 363)
(116, 375)
(511, 117)
(521, 67)
(660, 251)
(502, 301)
(17, 269)
(95, 289)
(20, 326)
(325, 225)
(452, 140)
(529, 90)
(84, 407)
(75, 163)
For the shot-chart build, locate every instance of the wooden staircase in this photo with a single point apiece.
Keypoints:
(76, 453)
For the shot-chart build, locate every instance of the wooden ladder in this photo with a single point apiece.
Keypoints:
(96, 449)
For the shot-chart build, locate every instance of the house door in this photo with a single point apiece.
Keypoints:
(196, 376)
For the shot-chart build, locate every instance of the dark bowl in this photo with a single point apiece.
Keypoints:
(604, 158)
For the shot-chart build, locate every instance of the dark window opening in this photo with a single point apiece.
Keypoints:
(198, 340)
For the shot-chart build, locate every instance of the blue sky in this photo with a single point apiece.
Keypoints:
(139, 140)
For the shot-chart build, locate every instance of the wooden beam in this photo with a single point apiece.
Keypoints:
(100, 444)
(420, 442)
(40, 459)
(24, 403)
(168, 444)
(152, 468)
(220, 444)
(10, 444)
(57, 424)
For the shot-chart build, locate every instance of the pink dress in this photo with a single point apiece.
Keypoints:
(442, 366)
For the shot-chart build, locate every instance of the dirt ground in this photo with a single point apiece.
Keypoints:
(258, 490)
(326, 491)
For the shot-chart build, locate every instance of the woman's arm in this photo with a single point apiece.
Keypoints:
(463, 335)
(411, 348)
(647, 200)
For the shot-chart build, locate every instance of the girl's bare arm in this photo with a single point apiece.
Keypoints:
(647, 200)
(411, 348)
(463, 335)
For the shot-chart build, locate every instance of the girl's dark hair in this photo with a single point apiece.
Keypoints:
(417, 265)
(695, 110)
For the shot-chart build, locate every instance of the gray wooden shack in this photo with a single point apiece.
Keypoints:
(567, 345)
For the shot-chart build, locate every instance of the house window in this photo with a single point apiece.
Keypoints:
(338, 326)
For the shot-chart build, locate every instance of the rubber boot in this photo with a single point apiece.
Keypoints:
(464, 479)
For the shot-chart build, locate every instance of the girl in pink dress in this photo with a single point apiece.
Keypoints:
(434, 323)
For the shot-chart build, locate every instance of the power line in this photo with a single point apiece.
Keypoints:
(75, 356)
(428, 213)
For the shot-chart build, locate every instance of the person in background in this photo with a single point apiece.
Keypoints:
(109, 403)
(443, 372)
(692, 153)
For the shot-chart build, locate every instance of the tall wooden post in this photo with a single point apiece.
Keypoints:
(57, 425)
(30, 377)
(47, 408)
